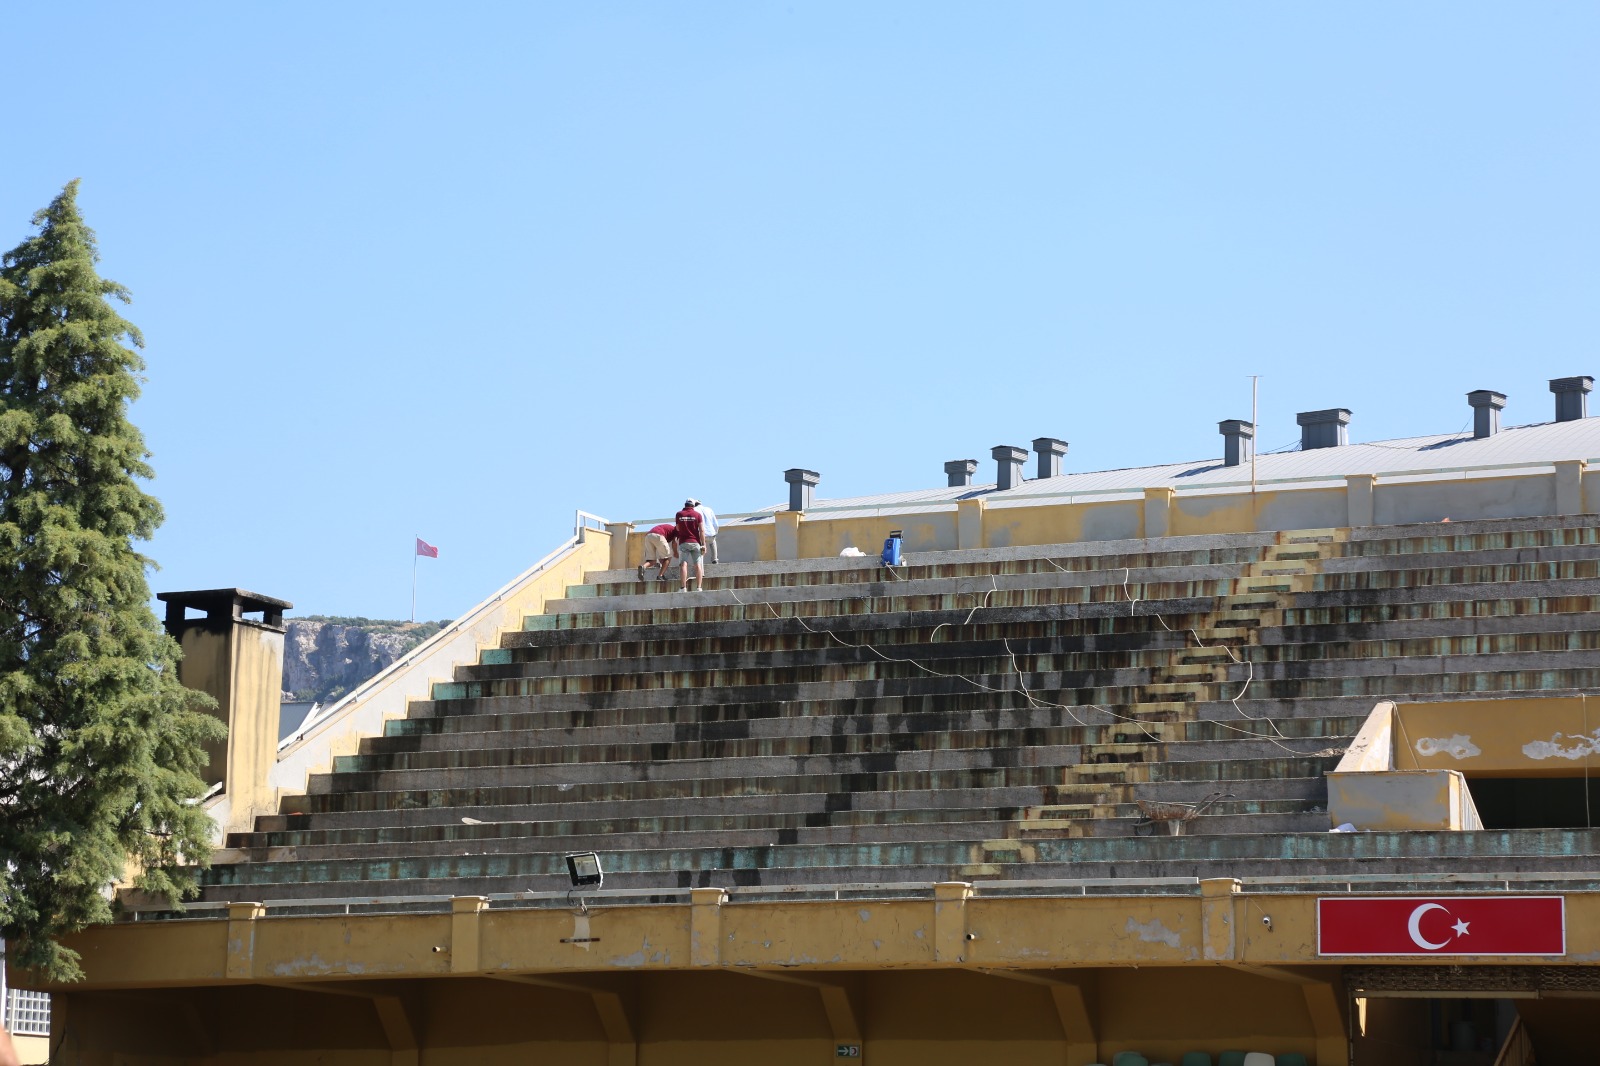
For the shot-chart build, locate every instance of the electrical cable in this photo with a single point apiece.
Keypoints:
(1042, 704)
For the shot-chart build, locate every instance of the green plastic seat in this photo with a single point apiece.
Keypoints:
(1291, 1058)
(1196, 1058)
(1129, 1058)
(1231, 1058)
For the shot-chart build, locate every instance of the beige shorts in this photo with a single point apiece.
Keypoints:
(656, 548)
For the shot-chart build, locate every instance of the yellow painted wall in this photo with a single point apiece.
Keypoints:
(823, 537)
(1542, 737)
(1484, 497)
(241, 664)
(1021, 521)
(31, 1049)
(917, 981)
(1397, 800)
(1219, 514)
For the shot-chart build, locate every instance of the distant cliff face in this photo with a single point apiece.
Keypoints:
(323, 659)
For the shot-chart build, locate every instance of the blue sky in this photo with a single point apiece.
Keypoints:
(410, 269)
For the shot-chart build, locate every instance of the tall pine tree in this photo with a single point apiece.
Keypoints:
(100, 747)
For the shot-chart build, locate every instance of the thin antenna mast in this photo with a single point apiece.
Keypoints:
(1255, 429)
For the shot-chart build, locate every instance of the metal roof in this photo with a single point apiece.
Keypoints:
(1430, 457)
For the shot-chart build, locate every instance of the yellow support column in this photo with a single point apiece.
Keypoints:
(950, 920)
(787, 532)
(1220, 930)
(242, 939)
(969, 523)
(705, 925)
(619, 544)
(464, 933)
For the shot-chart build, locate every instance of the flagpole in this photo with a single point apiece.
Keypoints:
(414, 577)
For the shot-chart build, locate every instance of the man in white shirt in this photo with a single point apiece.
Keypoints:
(708, 519)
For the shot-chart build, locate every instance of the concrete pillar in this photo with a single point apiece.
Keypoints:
(1077, 1023)
(950, 920)
(239, 662)
(1217, 895)
(1158, 512)
(787, 528)
(242, 917)
(619, 544)
(1326, 1004)
(705, 925)
(1359, 490)
(969, 523)
(465, 933)
(1569, 486)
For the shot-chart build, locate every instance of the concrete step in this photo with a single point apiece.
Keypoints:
(1288, 854)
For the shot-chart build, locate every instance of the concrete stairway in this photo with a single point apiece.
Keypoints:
(975, 714)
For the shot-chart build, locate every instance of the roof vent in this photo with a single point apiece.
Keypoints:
(1238, 441)
(1009, 460)
(1323, 429)
(1050, 452)
(1486, 407)
(801, 482)
(1572, 397)
(959, 472)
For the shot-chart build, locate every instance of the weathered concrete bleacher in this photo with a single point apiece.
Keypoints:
(996, 713)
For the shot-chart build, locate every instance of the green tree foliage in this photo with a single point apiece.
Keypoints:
(100, 747)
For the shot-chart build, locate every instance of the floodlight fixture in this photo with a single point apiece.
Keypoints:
(584, 870)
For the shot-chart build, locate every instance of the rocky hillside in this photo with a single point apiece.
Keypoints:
(323, 658)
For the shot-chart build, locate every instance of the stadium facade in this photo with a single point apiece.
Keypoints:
(1278, 755)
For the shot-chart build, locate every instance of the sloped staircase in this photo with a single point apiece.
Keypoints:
(997, 713)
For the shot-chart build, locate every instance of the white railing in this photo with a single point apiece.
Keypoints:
(425, 651)
(336, 729)
(583, 520)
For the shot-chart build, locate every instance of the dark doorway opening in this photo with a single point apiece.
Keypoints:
(1536, 802)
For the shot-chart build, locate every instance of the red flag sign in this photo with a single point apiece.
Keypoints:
(1445, 925)
(424, 548)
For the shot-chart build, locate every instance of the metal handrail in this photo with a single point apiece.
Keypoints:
(900, 889)
(1518, 1048)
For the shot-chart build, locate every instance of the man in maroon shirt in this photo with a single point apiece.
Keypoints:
(660, 548)
(692, 545)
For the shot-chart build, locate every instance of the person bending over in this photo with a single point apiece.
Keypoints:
(660, 548)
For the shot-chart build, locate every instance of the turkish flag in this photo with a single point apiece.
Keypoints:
(424, 548)
(1442, 925)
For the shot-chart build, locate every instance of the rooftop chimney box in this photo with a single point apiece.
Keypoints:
(1324, 429)
(1572, 397)
(1009, 460)
(959, 472)
(1486, 407)
(1050, 452)
(1238, 441)
(801, 482)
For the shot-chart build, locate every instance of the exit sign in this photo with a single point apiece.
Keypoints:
(847, 1051)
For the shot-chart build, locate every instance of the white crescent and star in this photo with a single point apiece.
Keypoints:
(1414, 927)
